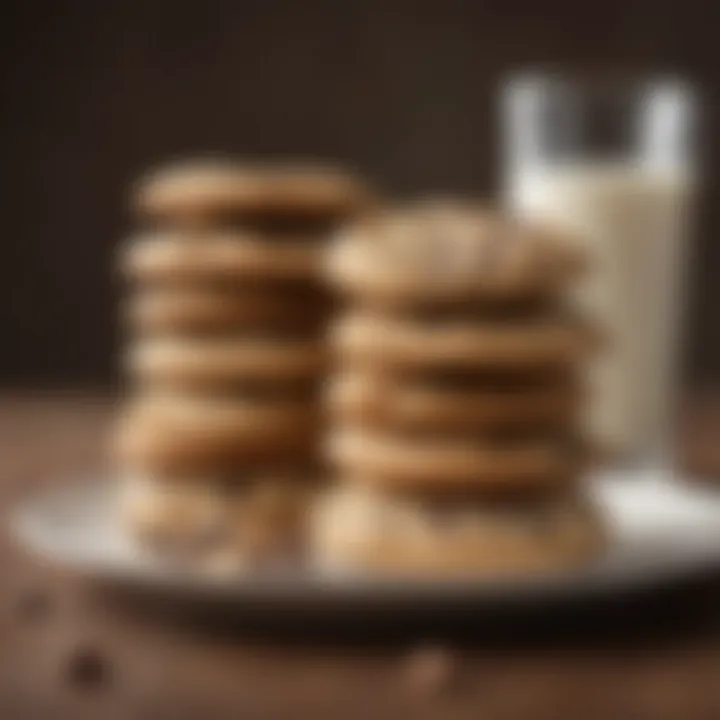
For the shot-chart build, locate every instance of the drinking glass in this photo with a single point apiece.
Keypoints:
(611, 160)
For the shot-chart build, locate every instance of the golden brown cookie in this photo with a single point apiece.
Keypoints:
(172, 258)
(265, 516)
(356, 529)
(213, 363)
(444, 465)
(383, 341)
(448, 251)
(211, 310)
(191, 515)
(189, 436)
(377, 400)
(211, 190)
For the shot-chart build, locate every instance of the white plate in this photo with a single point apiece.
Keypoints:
(661, 531)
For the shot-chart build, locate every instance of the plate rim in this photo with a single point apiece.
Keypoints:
(311, 584)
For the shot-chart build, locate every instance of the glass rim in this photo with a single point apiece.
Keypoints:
(602, 80)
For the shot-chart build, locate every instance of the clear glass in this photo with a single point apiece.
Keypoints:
(612, 160)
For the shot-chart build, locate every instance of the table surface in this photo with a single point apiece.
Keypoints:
(69, 649)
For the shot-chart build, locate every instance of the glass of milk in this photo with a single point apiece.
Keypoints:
(611, 160)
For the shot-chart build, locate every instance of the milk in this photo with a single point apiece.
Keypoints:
(633, 221)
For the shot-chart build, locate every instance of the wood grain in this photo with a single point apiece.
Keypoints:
(656, 656)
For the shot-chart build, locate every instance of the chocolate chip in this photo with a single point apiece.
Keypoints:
(87, 667)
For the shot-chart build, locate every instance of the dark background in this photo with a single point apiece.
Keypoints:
(93, 92)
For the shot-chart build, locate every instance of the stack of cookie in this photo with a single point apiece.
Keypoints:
(456, 405)
(218, 436)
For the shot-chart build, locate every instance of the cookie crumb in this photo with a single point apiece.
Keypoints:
(430, 670)
(87, 667)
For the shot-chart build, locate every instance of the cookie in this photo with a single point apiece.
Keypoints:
(188, 516)
(170, 258)
(265, 515)
(395, 403)
(211, 310)
(448, 251)
(224, 362)
(443, 465)
(184, 435)
(383, 341)
(208, 191)
(356, 529)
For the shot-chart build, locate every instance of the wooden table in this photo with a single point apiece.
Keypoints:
(70, 651)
